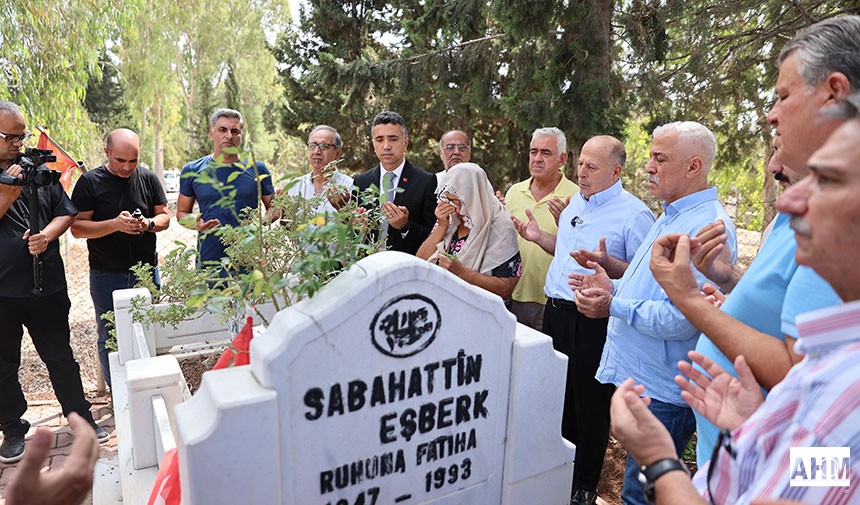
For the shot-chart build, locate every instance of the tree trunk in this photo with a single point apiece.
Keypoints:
(157, 139)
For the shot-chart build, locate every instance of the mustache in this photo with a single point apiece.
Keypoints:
(800, 226)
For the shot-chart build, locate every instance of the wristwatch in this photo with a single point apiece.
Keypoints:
(648, 475)
(151, 226)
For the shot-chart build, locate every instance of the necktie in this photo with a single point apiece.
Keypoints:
(390, 191)
(390, 188)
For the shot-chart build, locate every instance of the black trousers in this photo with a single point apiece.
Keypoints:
(585, 420)
(47, 321)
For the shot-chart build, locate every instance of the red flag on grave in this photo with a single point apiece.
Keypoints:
(238, 352)
(166, 491)
(64, 164)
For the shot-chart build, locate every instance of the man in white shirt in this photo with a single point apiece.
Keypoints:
(324, 180)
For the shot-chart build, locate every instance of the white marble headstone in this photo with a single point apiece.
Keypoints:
(396, 390)
(392, 387)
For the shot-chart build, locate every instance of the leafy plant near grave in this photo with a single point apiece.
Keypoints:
(281, 256)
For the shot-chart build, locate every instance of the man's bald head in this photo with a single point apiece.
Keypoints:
(122, 149)
(11, 123)
(600, 163)
(122, 135)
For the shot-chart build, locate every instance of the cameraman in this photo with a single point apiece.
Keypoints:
(117, 236)
(46, 316)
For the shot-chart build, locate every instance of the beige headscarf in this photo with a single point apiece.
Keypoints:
(492, 237)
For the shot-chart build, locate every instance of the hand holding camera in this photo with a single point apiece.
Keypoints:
(32, 170)
(132, 223)
(13, 191)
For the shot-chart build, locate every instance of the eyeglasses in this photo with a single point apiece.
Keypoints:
(575, 221)
(448, 199)
(324, 146)
(460, 147)
(723, 440)
(16, 138)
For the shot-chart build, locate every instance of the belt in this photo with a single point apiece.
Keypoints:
(561, 304)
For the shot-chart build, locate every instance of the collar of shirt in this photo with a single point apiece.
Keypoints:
(556, 191)
(397, 173)
(603, 196)
(689, 201)
(824, 329)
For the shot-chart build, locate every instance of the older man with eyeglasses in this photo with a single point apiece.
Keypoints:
(324, 181)
(455, 147)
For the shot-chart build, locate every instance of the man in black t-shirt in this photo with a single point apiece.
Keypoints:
(45, 313)
(118, 238)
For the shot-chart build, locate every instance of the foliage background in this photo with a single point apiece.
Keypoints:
(496, 68)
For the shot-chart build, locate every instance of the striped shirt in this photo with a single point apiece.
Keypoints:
(816, 405)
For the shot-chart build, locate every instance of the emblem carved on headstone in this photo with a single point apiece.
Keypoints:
(405, 326)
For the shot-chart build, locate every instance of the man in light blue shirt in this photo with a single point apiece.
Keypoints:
(647, 334)
(607, 224)
(772, 292)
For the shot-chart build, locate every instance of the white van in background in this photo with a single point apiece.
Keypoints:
(171, 181)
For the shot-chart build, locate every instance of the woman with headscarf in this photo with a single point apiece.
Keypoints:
(474, 237)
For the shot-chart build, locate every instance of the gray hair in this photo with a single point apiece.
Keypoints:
(10, 108)
(338, 142)
(228, 113)
(389, 117)
(560, 139)
(832, 45)
(693, 137)
(461, 132)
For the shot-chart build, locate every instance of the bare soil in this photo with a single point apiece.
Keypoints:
(193, 369)
(612, 476)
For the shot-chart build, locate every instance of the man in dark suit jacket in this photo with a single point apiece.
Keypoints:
(410, 217)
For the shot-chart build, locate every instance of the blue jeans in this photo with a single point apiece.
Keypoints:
(681, 424)
(102, 286)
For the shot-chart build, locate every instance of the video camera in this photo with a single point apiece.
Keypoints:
(33, 169)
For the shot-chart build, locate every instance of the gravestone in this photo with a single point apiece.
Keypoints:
(398, 383)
